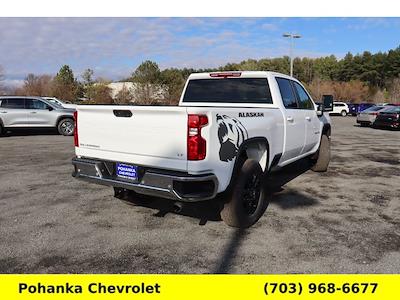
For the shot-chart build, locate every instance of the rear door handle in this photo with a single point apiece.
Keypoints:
(290, 119)
(3, 112)
(33, 112)
(308, 118)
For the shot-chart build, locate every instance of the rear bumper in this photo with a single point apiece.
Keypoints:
(159, 183)
(364, 119)
(387, 124)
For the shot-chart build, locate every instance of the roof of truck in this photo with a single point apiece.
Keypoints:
(236, 74)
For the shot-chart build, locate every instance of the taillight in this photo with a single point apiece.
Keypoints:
(76, 141)
(374, 113)
(196, 144)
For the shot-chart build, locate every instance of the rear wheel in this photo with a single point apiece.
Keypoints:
(343, 113)
(1, 130)
(320, 160)
(246, 202)
(66, 127)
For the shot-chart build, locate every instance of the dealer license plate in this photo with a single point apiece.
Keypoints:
(127, 171)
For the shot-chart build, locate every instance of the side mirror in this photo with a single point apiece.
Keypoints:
(327, 102)
(320, 109)
(50, 108)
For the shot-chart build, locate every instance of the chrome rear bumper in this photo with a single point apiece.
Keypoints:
(159, 183)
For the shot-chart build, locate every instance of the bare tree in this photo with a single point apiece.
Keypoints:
(355, 90)
(319, 87)
(146, 94)
(124, 96)
(40, 85)
(394, 91)
(100, 93)
(379, 96)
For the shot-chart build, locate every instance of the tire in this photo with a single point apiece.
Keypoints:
(1, 130)
(343, 113)
(246, 202)
(66, 127)
(321, 159)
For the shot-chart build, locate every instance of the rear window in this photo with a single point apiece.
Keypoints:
(374, 108)
(228, 90)
(392, 109)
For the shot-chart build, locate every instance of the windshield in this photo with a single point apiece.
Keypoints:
(54, 104)
(228, 90)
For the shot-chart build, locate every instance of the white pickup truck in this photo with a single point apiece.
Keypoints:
(229, 130)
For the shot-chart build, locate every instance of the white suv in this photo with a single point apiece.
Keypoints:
(34, 112)
(340, 108)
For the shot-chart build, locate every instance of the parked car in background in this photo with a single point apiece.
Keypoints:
(64, 104)
(34, 112)
(353, 108)
(367, 116)
(340, 108)
(364, 106)
(388, 117)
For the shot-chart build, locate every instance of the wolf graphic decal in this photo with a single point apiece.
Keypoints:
(231, 133)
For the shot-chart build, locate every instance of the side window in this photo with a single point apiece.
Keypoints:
(304, 100)
(17, 103)
(288, 96)
(35, 104)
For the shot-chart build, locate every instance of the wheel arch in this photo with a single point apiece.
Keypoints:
(62, 117)
(256, 148)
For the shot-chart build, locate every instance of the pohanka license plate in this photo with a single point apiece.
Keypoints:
(127, 171)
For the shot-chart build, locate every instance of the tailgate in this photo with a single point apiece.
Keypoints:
(151, 136)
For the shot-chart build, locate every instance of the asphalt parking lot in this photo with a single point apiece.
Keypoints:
(344, 221)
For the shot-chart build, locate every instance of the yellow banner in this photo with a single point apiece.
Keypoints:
(201, 287)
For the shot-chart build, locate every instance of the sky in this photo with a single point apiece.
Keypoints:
(114, 47)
